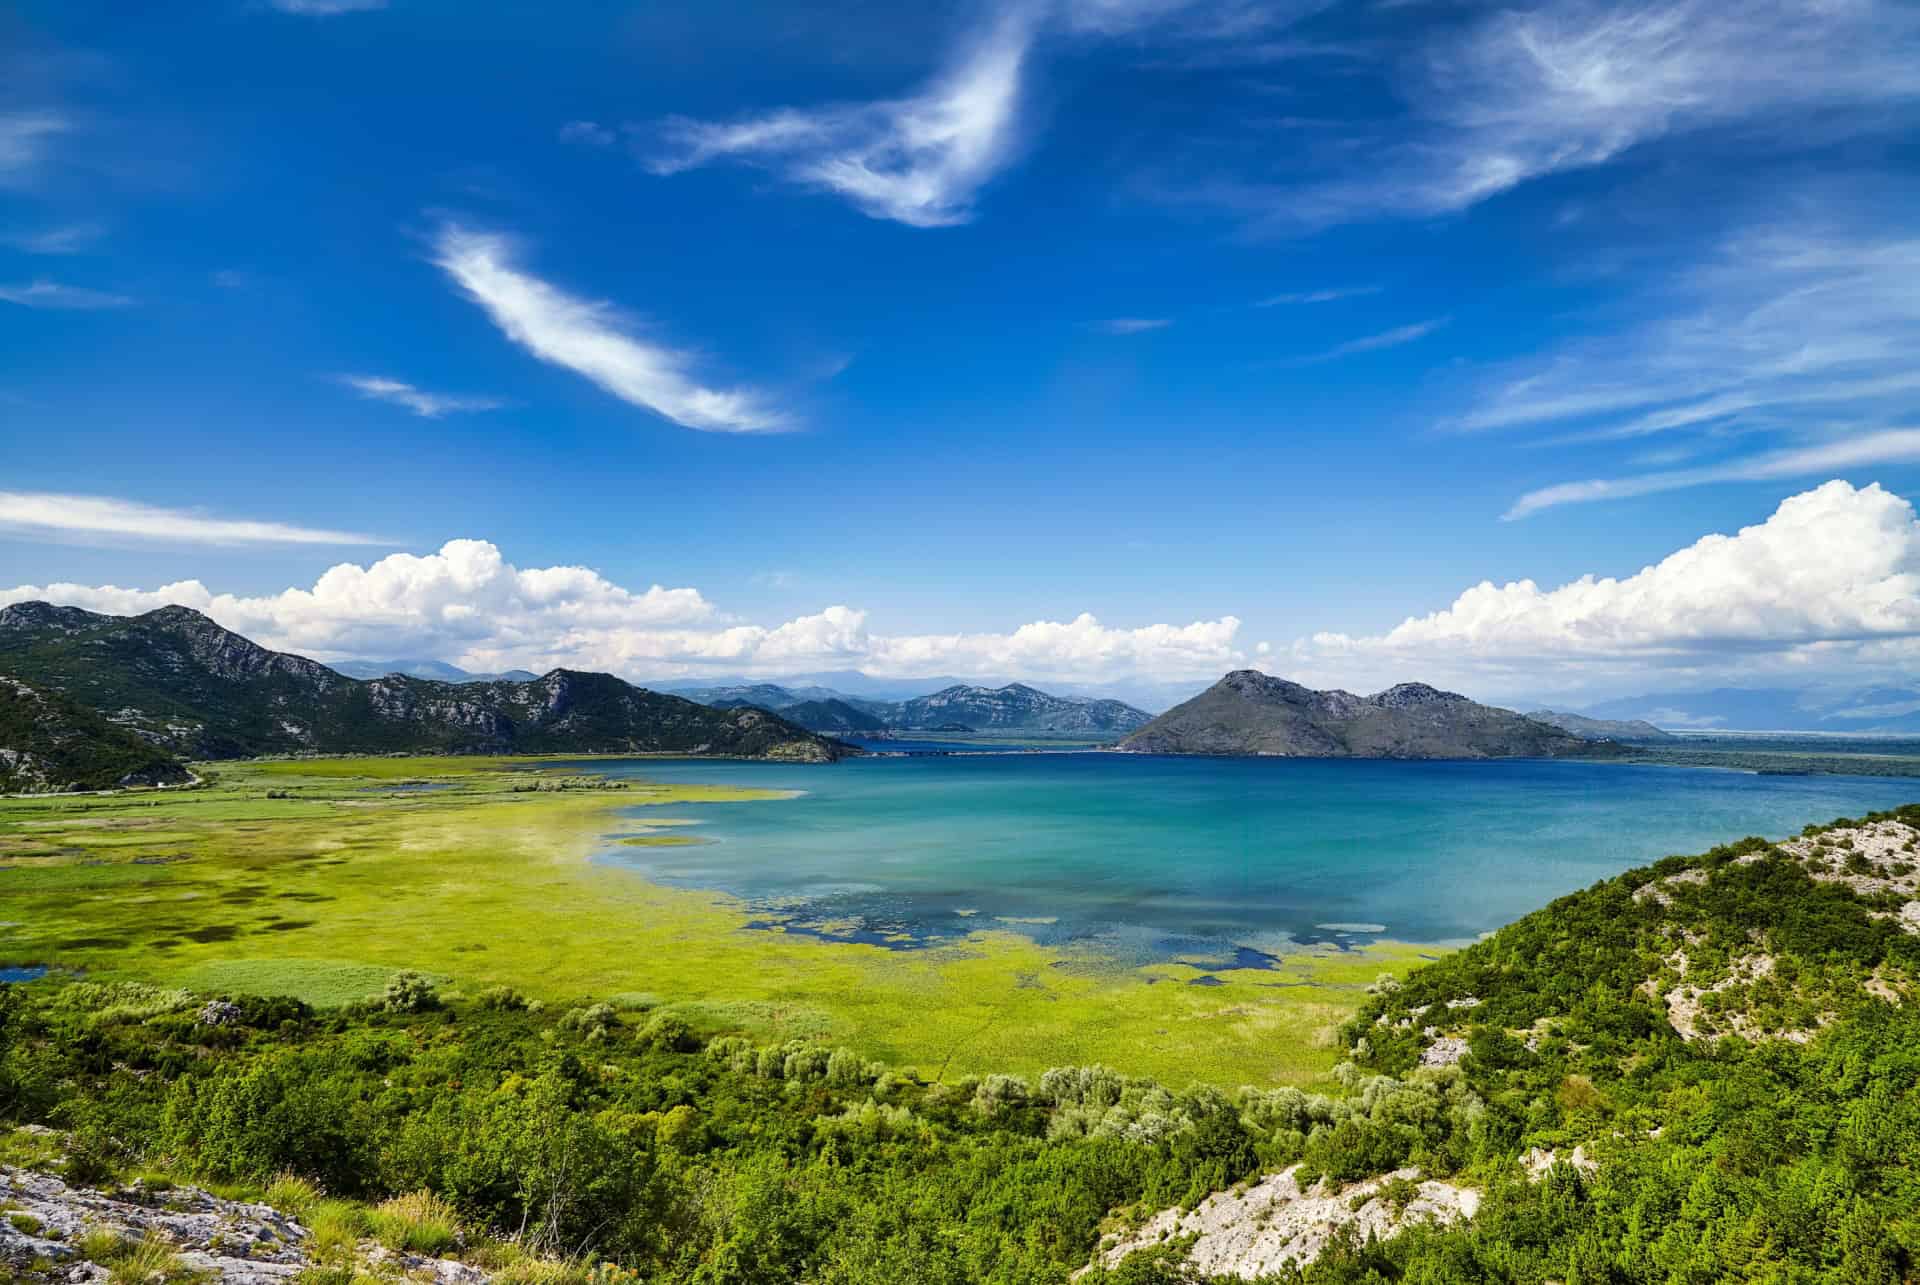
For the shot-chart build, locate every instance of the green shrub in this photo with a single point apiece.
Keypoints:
(668, 1033)
(410, 992)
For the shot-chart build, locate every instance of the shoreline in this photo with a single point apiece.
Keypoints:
(328, 890)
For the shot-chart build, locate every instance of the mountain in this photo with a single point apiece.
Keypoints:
(1849, 711)
(1601, 729)
(1013, 708)
(832, 717)
(1016, 708)
(845, 684)
(48, 743)
(193, 688)
(1249, 712)
(438, 670)
(765, 695)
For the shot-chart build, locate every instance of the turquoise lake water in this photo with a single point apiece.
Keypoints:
(1150, 858)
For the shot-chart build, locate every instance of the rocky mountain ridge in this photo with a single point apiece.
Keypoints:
(191, 687)
(1601, 729)
(1251, 713)
(1013, 708)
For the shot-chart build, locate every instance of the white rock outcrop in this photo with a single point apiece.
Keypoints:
(1275, 1222)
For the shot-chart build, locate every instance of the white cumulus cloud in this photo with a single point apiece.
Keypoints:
(591, 339)
(467, 604)
(1830, 580)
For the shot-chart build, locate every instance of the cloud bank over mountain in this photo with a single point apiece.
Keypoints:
(1828, 586)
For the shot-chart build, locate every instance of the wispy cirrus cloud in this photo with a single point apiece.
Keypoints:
(24, 136)
(1524, 92)
(427, 405)
(1788, 353)
(1393, 338)
(69, 238)
(326, 8)
(919, 160)
(57, 296)
(587, 133)
(1890, 446)
(1316, 296)
(1131, 325)
(592, 339)
(57, 518)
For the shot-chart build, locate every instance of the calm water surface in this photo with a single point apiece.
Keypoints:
(1152, 857)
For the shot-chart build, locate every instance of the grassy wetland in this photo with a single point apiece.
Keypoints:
(320, 879)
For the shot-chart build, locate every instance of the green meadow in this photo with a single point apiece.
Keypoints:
(321, 878)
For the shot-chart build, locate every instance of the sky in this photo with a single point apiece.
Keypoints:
(1552, 350)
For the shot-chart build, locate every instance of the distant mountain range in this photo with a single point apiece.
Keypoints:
(1015, 709)
(1855, 711)
(191, 688)
(1601, 729)
(852, 685)
(438, 670)
(1252, 713)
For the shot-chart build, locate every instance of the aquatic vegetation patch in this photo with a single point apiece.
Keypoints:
(483, 886)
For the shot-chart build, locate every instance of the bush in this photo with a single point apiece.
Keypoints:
(409, 992)
(595, 1022)
(666, 1033)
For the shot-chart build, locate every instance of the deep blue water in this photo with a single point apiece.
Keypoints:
(1151, 857)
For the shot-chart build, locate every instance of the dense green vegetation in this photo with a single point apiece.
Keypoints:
(53, 744)
(617, 1129)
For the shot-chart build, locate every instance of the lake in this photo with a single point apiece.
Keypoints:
(1148, 857)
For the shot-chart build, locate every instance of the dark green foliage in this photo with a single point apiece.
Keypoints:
(57, 745)
(409, 992)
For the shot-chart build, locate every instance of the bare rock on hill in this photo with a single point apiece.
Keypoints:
(1275, 1223)
(233, 1241)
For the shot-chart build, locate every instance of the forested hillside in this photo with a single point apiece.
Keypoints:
(51, 744)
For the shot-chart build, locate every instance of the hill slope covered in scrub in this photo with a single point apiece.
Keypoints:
(196, 689)
(50, 744)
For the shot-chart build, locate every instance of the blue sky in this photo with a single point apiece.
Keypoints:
(876, 333)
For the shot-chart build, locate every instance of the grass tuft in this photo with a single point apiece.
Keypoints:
(417, 1223)
(293, 1195)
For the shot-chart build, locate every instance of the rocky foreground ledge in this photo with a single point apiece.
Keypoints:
(50, 1231)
